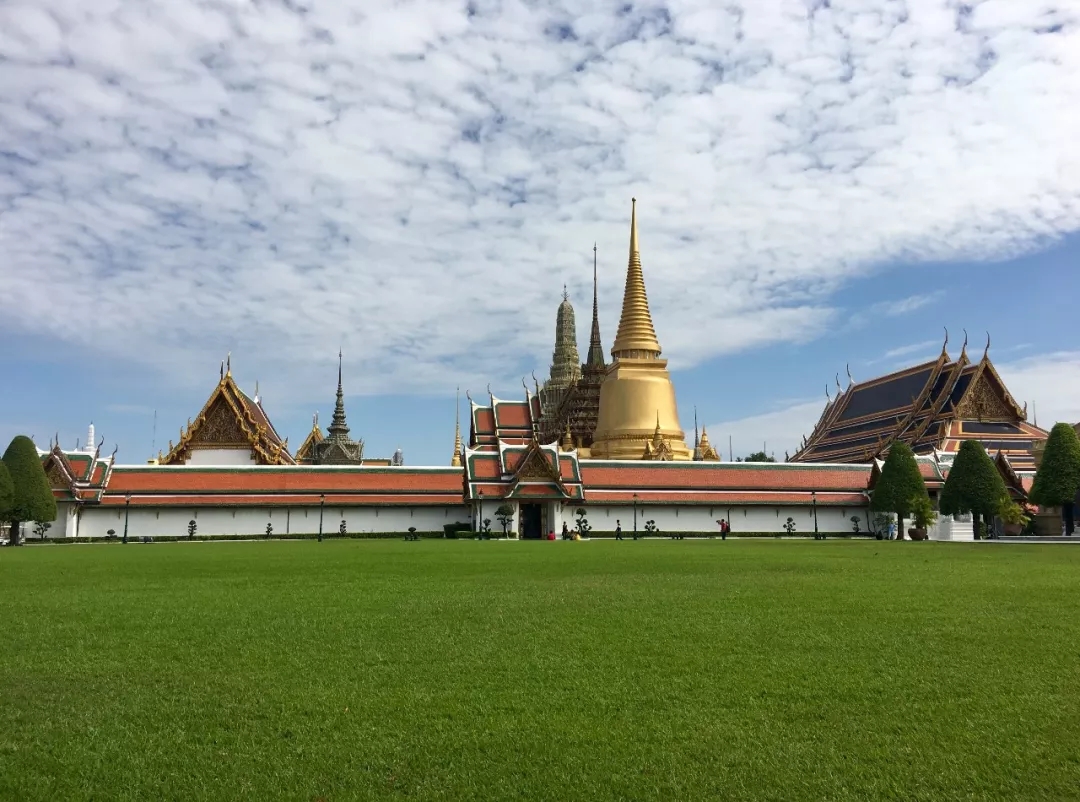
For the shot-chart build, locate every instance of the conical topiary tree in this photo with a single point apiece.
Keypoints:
(7, 494)
(900, 487)
(1058, 477)
(33, 500)
(973, 484)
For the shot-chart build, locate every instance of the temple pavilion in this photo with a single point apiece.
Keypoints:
(933, 407)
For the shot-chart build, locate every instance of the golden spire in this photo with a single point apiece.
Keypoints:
(636, 337)
(455, 461)
(567, 440)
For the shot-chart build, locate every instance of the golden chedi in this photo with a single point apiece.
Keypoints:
(638, 416)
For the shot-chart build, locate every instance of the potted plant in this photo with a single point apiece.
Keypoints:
(925, 516)
(1012, 516)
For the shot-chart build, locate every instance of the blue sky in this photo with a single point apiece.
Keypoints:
(414, 182)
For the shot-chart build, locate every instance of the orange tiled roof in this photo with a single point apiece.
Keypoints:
(263, 500)
(284, 480)
(719, 498)
(723, 476)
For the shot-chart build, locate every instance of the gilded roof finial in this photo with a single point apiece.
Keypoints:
(565, 294)
(828, 398)
(455, 461)
(963, 348)
(946, 343)
(636, 335)
(839, 389)
(222, 372)
(228, 364)
(986, 351)
(847, 367)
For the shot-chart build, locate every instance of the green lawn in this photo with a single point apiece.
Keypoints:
(597, 670)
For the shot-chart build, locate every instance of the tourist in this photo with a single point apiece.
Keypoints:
(723, 528)
(618, 530)
(551, 535)
(565, 531)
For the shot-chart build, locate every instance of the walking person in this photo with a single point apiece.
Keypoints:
(565, 531)
(618, 530)
(723, 529)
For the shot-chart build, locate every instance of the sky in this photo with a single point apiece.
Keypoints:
(822, 185)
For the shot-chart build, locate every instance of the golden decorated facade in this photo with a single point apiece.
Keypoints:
(638, 418)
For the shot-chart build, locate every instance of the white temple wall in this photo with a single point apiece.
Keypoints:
(173, 522)
(702, 518)
(220, 456)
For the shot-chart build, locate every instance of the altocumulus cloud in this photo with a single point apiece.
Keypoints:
(414, 181)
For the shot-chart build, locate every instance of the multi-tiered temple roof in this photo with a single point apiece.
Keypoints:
(933, 407)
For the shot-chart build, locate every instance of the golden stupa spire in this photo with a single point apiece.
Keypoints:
(636, 337)
(455, 461)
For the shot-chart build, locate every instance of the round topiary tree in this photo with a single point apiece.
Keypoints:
(33, 499)
(900, 488)
(973, 484)
(1058, 477)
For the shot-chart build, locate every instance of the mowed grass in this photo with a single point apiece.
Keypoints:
(596, 670)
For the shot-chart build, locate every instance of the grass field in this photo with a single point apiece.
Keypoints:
(599, 670)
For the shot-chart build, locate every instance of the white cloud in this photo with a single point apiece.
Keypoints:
(1050, 385)
(414, 181)
(777, 431)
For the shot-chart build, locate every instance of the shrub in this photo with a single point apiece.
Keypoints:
(342, 529)
(451, 530)
(7, 493)
(505, 514)
(789, 526)
(192, 528)
(583, 527)
(269, 529)
(41, 528)
(855, 521)
(923, 511)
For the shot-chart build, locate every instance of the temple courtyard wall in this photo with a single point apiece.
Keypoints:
(173, 521)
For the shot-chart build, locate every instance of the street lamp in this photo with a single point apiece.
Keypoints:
(480, 520)
(322, 504)
(127, 507)
(635, 515)
(813, 499)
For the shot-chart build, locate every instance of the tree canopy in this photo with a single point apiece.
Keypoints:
(900, 485)
(7, 493)
(1058, 477)
(973, 484)
(757, 456)
(32, 498)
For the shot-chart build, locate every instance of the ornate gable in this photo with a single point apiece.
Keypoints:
(986, 398)
(230, 420)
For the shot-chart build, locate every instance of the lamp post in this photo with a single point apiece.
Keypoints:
(635, 515)
(813, 499)
(127, 507)
(322, 504)
(480, 520)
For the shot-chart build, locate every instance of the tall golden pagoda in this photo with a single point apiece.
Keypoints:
(638, 416)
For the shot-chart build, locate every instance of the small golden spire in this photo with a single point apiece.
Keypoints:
(567, 440)
(455, 461)
(636, 336)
